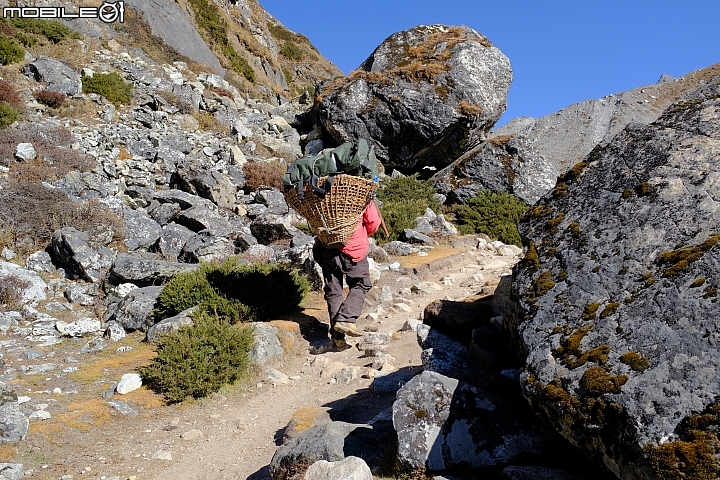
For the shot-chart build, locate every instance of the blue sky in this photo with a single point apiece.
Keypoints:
(561, 52)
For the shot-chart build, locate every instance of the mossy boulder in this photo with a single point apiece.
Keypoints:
(421, 96)
(615, 313)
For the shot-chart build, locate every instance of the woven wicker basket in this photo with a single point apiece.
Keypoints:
(334, 216)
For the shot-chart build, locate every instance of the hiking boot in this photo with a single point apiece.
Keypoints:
(348, 328)
(340, 345)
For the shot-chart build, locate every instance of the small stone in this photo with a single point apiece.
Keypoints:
(123, 408)
(331, 370)
(25, 151)
(22, 400)
(192, 435)
(348, 374)
(403, 307)
(8, 254)
(129, 383)
(411, 325)
(40, 415)
(162, 455)
(277, 377)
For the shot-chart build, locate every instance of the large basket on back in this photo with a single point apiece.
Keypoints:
(334, 216)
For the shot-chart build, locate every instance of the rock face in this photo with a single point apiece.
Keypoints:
(443, 423)
(615, 304)
(420, 95)
(58, 76)
(168, 22)
(526, 155)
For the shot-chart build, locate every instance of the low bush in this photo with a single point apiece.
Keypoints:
(207, 122)
(10, 95)
(53, 30)
(198, 360)
(495, 214)
(292, 52)
(8, 114)
(268, 174)
(51, 99)
(238, 292)
(10, 51)
(404, 199)
(11, 291)
(109, 85)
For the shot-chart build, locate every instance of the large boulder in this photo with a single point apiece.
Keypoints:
(420, 94)
(13, 423)
(31, 288)
(443, 423)
(58, 76)
(526, 155)
(615, 306)
(73, 250)
(136, 310)
(144, 270)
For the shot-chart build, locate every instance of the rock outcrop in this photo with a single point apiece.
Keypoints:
(525, 156)
(421, 96)
(615, 303)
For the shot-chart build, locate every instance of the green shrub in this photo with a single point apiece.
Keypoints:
(10, 51)
(8, 114)
(198, 360)
(109, 85)
(239, 292)
(291, 51)
(404, 199)
(214, 28)
(495, 214)
(51, 29)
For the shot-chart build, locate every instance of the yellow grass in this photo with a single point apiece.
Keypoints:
(436, 253)
(113, 363)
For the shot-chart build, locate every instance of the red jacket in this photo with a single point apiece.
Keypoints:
(358, 245)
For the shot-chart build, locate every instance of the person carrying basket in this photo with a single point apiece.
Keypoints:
(349, 262)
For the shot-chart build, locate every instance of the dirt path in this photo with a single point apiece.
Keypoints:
(235, 434)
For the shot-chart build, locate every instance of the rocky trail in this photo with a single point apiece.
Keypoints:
(235, 434)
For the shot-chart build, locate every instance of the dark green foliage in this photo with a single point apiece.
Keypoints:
(282, 33)
(214, 28)
(109, 85)
(8, 114)
(200, 359)
(495, 214)
(53, 30)
(404, 199)
(238, 292)
(292, 51)
(10, 51)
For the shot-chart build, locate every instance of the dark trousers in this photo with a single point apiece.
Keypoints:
(335, 265)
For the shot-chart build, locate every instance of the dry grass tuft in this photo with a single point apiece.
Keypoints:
(268, 174)
(113, 365)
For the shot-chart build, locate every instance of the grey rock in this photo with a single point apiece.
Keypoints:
(392, 382)
(351, 468)
(628, 219)
(129, 382)
(78, 328)
(411, 236)
(425, 114)
(168, 22)
(163, 213)
(203, 247)
(11, 471)
(9, 320)
(123, 408)
(195, 178)
(72, 250)
(273, 199)
(25, 151)
(58, 76)
(458, 319)
(314, 147)
(115, 331)
(442, 423)
(32, 354)
(266, 344)
(502, 294)
(7, 254)
(526, 155)
(84, 295)
(13, 423)
(269, 228)
(183, 199)
(399, 248)
(170, 324)
(142, 271)
(321, 442)
(136, 310)
(443, 227)
(203, 218)
(36, 287)
(441, 353)
(172, 240)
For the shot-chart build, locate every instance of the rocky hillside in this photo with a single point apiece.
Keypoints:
(526, 155)
(614, 306)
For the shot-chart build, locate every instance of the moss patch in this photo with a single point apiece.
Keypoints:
(597, 381)
(590, 311)
(681, 258)
(698, 283)
(542, 284)
(573, 356)
(635, 361)
(609, 309)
